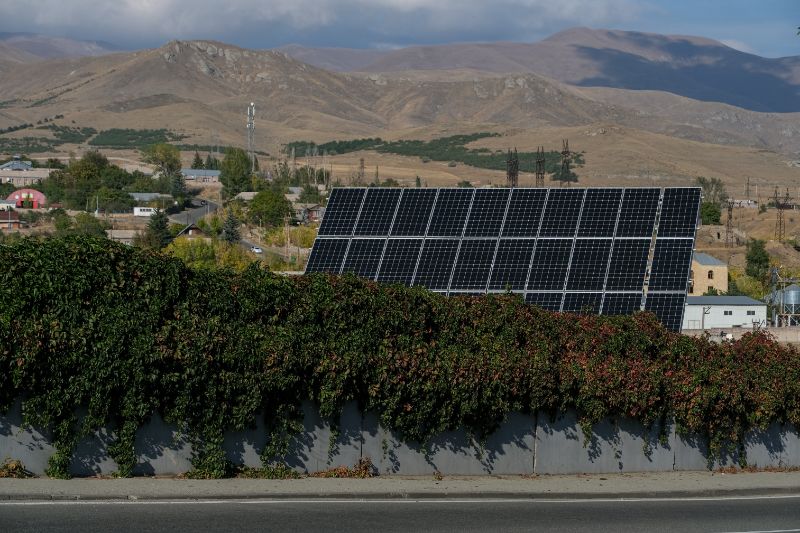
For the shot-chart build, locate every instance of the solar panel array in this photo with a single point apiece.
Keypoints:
(599, 251)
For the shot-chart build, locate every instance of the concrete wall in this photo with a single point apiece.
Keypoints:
(717, 319)
(522, 445)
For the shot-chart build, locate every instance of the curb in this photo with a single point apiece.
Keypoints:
(391, 495)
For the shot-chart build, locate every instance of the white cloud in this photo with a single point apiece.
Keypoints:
(160, 20)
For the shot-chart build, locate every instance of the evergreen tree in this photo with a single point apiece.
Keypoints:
(157, 234)
(209, 164)
(235, 172)
(178, 186)
(230, 229)
(757, 260)
(197, 162)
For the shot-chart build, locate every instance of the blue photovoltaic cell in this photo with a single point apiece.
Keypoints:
(671, 264)
(473, 264)
(436, 263)
(341, 213)
(486, 215)
(600, 212)
(587, 270)
(377, 212)
(584, 303)
(550, 263)
(512, 264)
(550, 301)
(413, 213)
(399, 261)
(637, 215)
(524, 213)
(327, 255)
(628, 264)
(363, 257)
(679, 213)
(668, 308)
(616, 303)
(561, 213)
(450, 212)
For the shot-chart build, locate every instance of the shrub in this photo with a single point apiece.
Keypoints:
(117, 334)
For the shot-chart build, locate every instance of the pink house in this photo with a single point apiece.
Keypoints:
(28, 198)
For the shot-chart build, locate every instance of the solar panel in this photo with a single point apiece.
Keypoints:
(524, 213)
(473, 264)
(414, 212)
(628, 264)
(487, 213)
(512, 264)
(589, 263)
(436, 263)
(550, 264)
(584, 303)
(668, 308)
(377, 212)
(363, 257)
(546, 300)
(621, 303)
(671, 264)
(399, 261)
(561, 213)
(600, 213)
(342, 211)
(327, 255)
(637, 214)
(679, 213)
(450, 212)
(602, 250)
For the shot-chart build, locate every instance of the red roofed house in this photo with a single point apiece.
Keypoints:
(28, 198)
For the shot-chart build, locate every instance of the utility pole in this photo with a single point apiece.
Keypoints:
(540, 161)
(730, 239)
(747, 189)
(780, 205)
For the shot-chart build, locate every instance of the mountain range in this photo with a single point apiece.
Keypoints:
(686, 88)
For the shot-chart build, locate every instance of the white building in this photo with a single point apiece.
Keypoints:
(723, 312)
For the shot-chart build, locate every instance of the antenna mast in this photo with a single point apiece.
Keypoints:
(251, 130)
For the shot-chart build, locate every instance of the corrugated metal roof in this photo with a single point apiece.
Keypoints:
(200, 172)
(17, 165)
(722, 300)
(705, 259)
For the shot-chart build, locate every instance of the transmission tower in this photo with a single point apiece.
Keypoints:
(512, 169)
(781, 204)
(540, 166)
(565, 158)
(251, 132)
(747, 189)
(730, 238)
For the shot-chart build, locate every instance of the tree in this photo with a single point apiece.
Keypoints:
(197, 162)
(165, 157)
(157, 234)
(211, 163)
(757, 260)
(710, 213)
(269, 208)
(235, 172)
(230, 229)
(713, 190)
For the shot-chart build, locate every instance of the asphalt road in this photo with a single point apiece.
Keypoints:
(191, 216)
(744, 514)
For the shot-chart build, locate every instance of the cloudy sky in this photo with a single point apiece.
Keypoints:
(765, 27)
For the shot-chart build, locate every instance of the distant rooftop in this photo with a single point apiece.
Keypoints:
(722, 300)
(148, 196)
(705, 259)
(16, 164)
(201, 172)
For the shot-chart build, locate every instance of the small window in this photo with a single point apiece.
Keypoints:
(751, 313)
(728, 313)
(710, 274)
